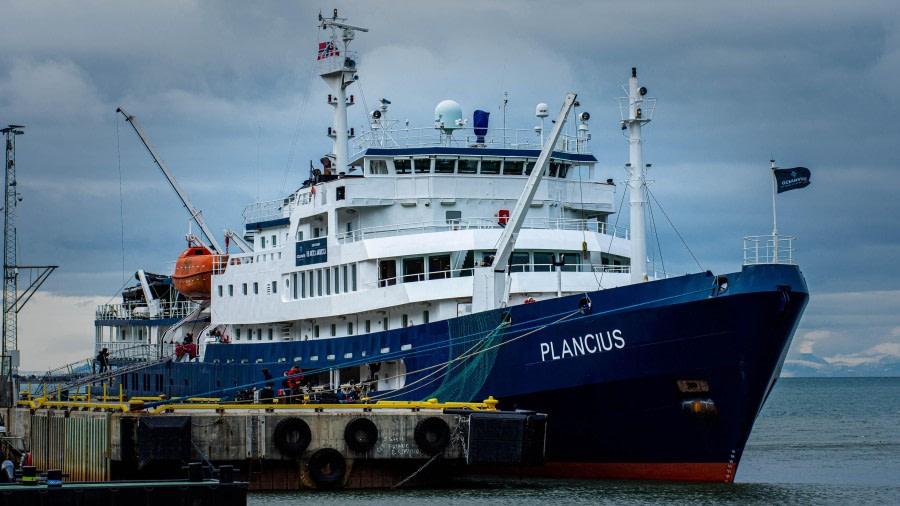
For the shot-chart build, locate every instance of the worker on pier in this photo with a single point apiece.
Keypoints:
(268, 391)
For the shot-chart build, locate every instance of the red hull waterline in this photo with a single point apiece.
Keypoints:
(716, 472)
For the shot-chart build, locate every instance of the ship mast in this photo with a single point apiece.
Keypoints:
(637, 182)
(337, 67)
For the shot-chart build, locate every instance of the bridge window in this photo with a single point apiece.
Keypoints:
(490, 167)
(564, 169)
(402, 166)
(423, 165)
(511, 168)
(377, 167)
(468, 166)
(444, 165)
(543, 261)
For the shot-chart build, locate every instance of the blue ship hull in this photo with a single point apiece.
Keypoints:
(658, 380)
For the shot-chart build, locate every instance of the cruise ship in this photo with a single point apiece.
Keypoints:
(460, 261)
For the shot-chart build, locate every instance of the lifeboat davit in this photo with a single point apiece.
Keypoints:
(194, 269)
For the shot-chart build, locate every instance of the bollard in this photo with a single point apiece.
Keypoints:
(54, 478)
(29, 475)
(195, 471)
(226, 474)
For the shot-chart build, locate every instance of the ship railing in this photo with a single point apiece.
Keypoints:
(87, 366)
(338, 61)
(219, 263)
(272, 209)
(494, 138)
(479, 224)
(769, 249)
(129, 311)
(465, 272)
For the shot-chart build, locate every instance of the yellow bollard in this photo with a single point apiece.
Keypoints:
(104, 393)
(120, 392)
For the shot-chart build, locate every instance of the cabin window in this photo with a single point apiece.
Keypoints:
(368, 326)
(554, 169)
(274, 286)
(564, 169)
(349, 328)
(423, 165)
(387, 272)
(384, 323)
(220, 290)
(529, 166)
(426, 317)
(327, 281)
(345, 278)
(244, 288)
(513, 168)
(302, 285)
(337, 281)
(519, 262)
(237, 334)
(570, 262)
(270, 334)
(255, 288)
(403, 166)
(231, 290)
(413, 269)
(468, 166)
(444, 165)
(353, 276)
(274, 240)
(453, 217)
(296, 289)
(377, 167)
(333, 330)
(543, 261)
(319, 282)
(259, 334)
(312, 291)
(315, 331)
(262, 243)
(439, 267)
(299, 235)
(490, 167)
(404, 320)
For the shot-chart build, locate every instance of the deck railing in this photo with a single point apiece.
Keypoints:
(130, 311)
(494, 138)
(769, 249)
(478, 224)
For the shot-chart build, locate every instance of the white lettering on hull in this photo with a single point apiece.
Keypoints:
(580, 346)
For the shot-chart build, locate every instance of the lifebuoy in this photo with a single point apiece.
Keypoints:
(584, 305)
(432, 435)
(292, 436)
(327, 468)
(361, 434)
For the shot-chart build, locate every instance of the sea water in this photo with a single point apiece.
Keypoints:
(817, 441)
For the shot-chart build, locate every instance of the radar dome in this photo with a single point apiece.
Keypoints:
(541, 110)
(448, 116)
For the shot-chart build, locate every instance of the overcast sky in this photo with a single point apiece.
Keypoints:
(227, 93)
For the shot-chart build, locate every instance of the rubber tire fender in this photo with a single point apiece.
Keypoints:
(361, 434)
(292, 436)
(327, 468)
(432, 435)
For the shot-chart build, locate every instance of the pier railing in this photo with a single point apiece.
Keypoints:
(769, 249)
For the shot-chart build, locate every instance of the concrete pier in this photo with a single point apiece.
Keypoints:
(273, 447)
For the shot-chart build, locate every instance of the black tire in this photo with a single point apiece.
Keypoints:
(292, 436)
(361, 434)
(432, 435)
(327, 468)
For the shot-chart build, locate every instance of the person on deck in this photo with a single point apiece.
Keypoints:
(296, 377)
(103, 360)
(268, 391)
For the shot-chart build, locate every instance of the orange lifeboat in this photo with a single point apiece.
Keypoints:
(194, 269)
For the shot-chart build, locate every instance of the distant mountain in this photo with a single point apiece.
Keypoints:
(807, 364)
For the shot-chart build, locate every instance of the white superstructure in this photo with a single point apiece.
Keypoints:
(391, 237)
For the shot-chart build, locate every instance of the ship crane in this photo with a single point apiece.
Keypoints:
(195, 214)
(491, 288)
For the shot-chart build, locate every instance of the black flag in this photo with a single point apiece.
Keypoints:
(791, 179)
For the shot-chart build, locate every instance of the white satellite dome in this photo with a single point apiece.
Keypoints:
(448, 116)
(541, 110)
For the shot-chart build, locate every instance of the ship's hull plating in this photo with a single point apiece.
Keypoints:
(659, 380)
